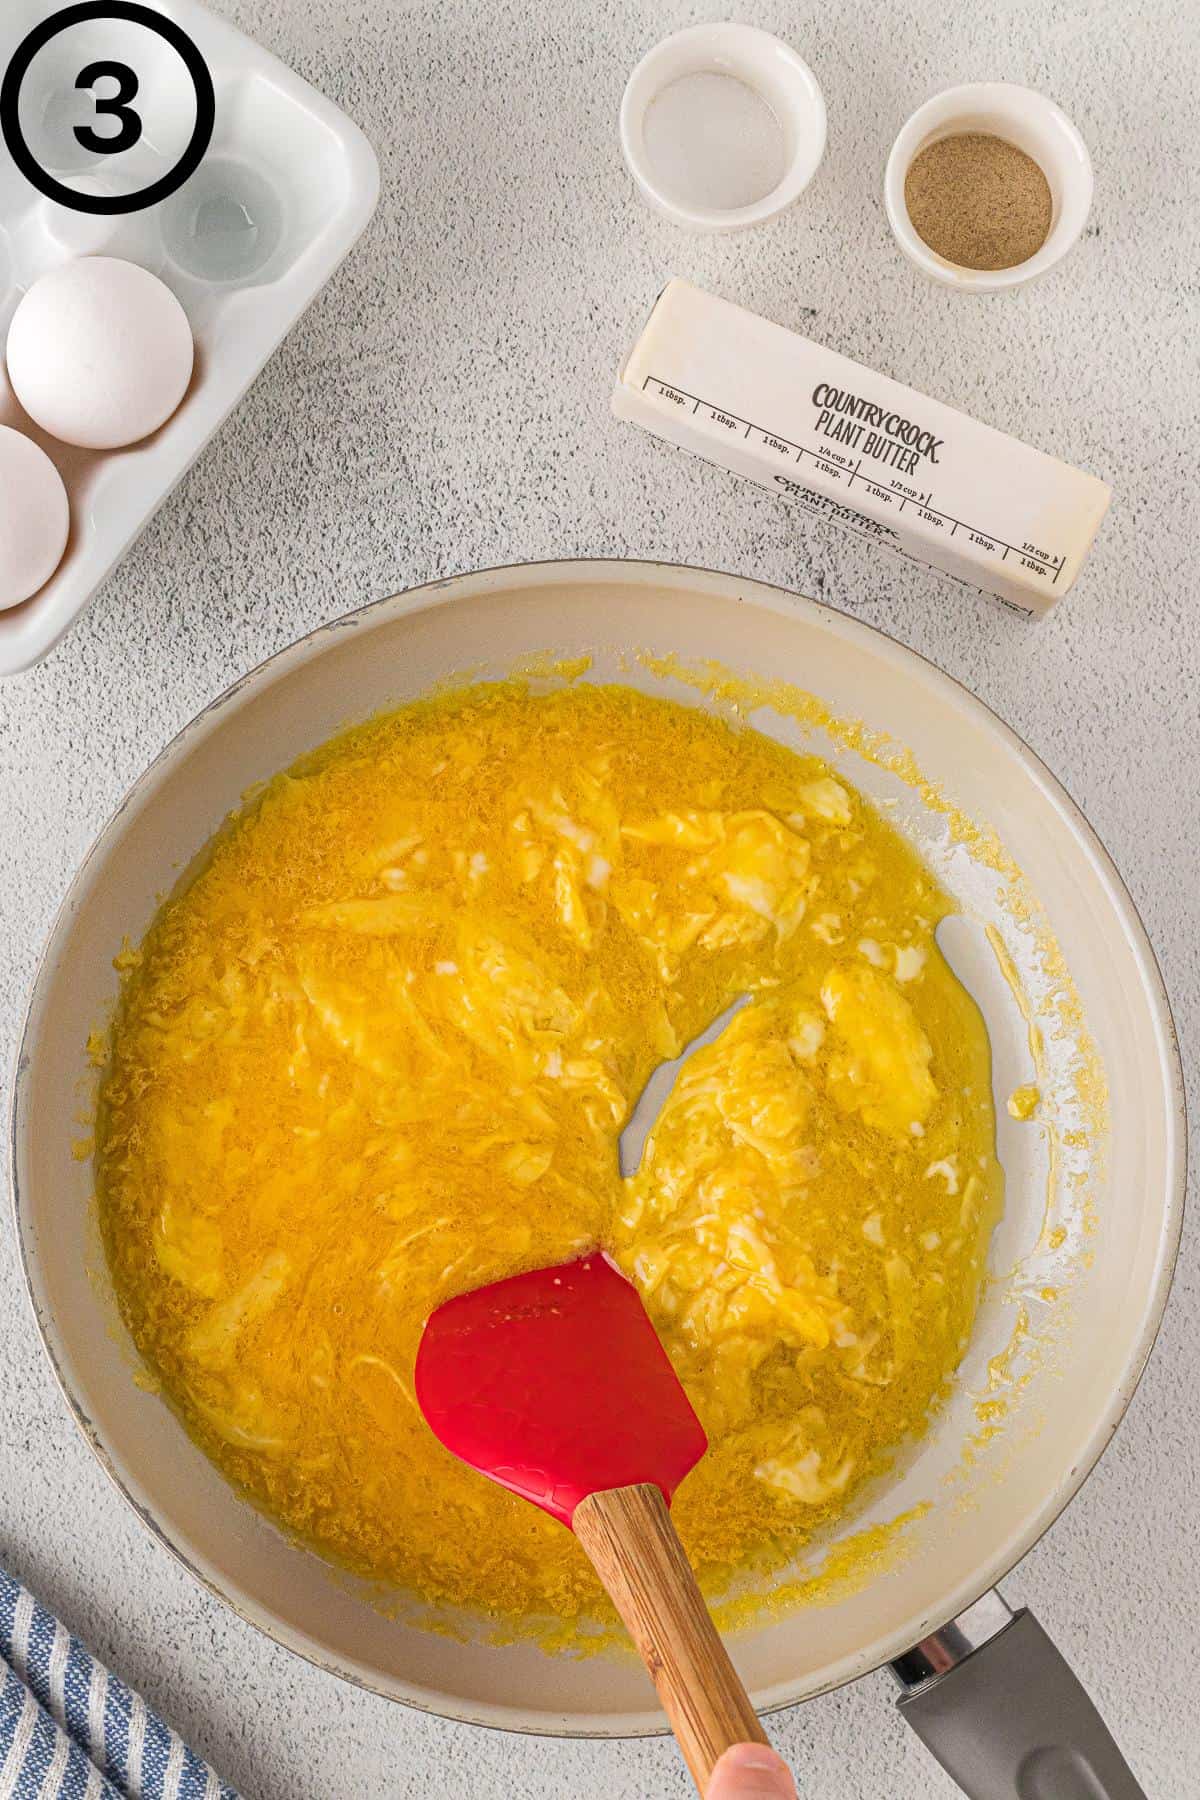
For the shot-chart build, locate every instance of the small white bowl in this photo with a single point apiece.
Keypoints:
(1024, 118)
(773, 72)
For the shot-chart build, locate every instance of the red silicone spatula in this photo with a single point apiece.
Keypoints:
(555, 1385)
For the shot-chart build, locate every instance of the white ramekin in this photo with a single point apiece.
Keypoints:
(1024, 118)
(768, 66)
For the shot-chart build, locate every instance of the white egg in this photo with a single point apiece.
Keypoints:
(34, 517)
(100, 352)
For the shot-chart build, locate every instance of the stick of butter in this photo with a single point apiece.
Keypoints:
(846, 444)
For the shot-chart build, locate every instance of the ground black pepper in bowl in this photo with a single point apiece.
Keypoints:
(978, 201)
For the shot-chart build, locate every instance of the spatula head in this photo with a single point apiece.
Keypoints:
(555, 1384)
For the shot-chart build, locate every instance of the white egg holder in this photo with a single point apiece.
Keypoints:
(278, 145)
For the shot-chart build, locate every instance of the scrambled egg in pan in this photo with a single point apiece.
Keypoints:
(379, 1050)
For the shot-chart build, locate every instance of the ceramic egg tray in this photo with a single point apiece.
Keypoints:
(286, 186)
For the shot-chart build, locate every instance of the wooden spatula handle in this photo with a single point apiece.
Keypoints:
(635, 1549)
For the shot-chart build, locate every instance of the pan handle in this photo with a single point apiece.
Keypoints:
(1004, 1714)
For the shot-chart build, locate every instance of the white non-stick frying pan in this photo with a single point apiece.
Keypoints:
(1095, 1188)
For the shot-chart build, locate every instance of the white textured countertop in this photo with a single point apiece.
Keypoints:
(444, 405)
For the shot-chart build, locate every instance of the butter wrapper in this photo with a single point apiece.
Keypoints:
(846, 444)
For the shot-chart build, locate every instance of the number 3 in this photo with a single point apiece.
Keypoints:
(117, 104)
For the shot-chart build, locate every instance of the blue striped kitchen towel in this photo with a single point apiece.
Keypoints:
(71, 1731)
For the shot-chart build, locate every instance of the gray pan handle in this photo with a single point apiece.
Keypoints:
(1002, 1711)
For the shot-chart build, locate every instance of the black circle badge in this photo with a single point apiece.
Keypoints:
(118, 107)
